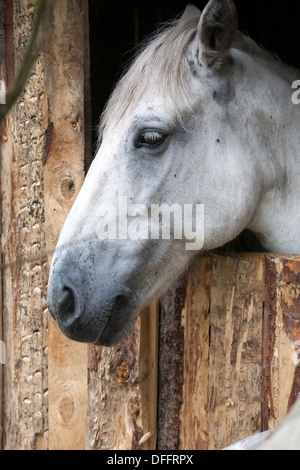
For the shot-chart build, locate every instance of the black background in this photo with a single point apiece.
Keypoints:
(117, 26)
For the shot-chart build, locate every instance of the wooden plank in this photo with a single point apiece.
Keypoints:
(196, 324)
(114, 401)
(3, 77)
(171, 365)
(281, 371)
(65, 54)
(234, 406)
(148, 374)
(211, 368)
(123, 390)
(67, 392)
(25, 277)
(220, 389)
(235, 350)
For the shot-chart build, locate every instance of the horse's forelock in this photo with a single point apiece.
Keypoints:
(162, 62)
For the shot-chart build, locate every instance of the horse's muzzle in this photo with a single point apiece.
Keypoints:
(86, 309)
(80, 322)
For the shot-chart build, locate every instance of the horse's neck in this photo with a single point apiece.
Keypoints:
(275, 129)
(277, 219)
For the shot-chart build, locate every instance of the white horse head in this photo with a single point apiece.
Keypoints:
(202, 119)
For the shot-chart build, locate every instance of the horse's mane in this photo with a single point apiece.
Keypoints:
(162, 59)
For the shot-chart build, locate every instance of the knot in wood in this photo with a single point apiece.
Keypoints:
(77, 124)
(66, 408)
(123, 372)
(67, 187)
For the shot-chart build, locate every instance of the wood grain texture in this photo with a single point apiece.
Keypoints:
(281, 338)
(240, 342)
(222, 352)
(194, 426)
(123, 390)
(171, 364)
(65, 54)
(148, 373)
(3, 77)
(67, 392)
(25, 401)
(114, 399)
(234, 404)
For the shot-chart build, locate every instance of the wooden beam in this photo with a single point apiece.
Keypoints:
(222, 352)
(24, 414)
(3, 77)
(65, 54)
(194, 426)
(148, 374)
(171, 364)
(281, 370)
(235, 356)
(123, 390)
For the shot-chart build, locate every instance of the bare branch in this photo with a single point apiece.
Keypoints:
(39, 34)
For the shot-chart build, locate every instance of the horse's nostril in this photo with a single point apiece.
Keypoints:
(123, 296)
(67, 307)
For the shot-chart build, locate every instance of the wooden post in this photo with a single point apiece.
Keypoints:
(194, 425)
(234, 392)
(123, 390)
(66, 61)
(3, 78)
(24, 414)
(42, 168)
(170, 374)
(281, 342)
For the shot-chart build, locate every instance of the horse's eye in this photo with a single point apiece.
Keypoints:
(151, 138)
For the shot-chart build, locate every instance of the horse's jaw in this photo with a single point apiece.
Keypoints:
(95, 294)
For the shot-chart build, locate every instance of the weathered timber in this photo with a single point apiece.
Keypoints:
(240, 343)
(25, 401)
(235, 350)
(65, 60)
(171, 338)
(281, 368)
(3, 78)
(193, 425)
(123, 390)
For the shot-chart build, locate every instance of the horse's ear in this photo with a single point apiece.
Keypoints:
(216, 31)
(190, 12)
